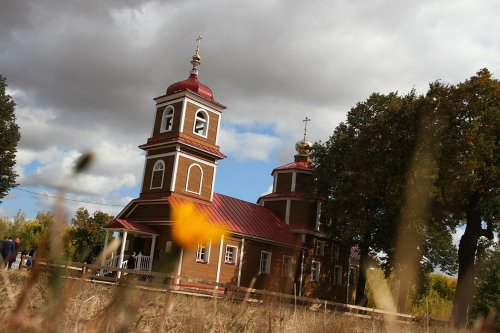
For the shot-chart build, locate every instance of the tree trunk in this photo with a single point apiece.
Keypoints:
(363, 267)
(462, 302)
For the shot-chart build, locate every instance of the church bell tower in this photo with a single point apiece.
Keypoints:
(182, 152)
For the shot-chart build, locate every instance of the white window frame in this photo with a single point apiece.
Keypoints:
(235, 255)
(206, 247)
(205, 121)
(267, 268)
(168, 247)
(337, 276)
(315, 270)
(286, 270)
(153, 174)
(335, 251)
(188, 175)
(320, 248)
(165, 117)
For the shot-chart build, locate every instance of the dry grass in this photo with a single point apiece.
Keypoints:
(98, 307)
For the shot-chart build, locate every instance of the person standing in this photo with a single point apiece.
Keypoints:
(7, 248)
(5, 239)
(13, 255)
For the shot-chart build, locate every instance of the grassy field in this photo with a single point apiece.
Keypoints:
(77, 306)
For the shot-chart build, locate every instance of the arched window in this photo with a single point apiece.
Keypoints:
(201, 123)
(167, 120)
(194, 179)
(157, 175)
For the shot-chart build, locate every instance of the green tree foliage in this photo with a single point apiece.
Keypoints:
(468, 186)
(453, 134)
(363, 172)
(487, 281)
(9, 136)
(88, 232)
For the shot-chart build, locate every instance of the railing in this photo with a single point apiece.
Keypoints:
(141, 263)
(199, 286)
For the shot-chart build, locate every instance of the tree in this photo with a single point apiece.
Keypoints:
(363, 172)
(487, 281)
(468, 185)
(88, 232)
(9, 136)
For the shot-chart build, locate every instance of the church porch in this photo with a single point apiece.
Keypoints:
(135, 237)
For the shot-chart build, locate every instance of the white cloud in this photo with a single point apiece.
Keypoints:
(269, 190)
(458, 235)
(6, 212)
(247, 145)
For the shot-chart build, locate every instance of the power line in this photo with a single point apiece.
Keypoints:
(51, 196)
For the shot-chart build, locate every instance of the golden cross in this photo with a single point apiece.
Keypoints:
(305, 128)
(198, 47)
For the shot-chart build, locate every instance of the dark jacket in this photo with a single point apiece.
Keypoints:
(131, 262)
(8, 247)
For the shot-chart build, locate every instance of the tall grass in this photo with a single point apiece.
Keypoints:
(104, 307)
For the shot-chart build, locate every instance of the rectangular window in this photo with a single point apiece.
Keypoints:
(335, 251)
(231, 255)
(168, 247)
(320, 248)
(286, 270)
(203, 253)
(265, 262)
(337, 275)
(315, 271)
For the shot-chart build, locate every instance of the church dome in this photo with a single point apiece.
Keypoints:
(192, 84)
(303, 146)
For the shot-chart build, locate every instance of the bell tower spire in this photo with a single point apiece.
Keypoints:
(196, 57)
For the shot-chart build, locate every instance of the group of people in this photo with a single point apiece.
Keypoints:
(8, 249)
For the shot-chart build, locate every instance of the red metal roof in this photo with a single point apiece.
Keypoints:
(187, 142)
(282, 194)
(244, 217)
(192, 84)
(355, 254)
(297, 166)
(116, 223)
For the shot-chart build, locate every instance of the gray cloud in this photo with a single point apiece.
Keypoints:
(84, 73)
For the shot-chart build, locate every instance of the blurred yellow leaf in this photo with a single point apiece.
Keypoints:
(191, 227)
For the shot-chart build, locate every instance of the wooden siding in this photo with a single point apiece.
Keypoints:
(303, 212)
(167, 177)
(302, 182)
(208, 172)
(191, 110)
(194, 179)
(284, 182)
(176, 122)
(153, 151)
(199, 154)
(279, 206)
(150, 209)
(324, 288)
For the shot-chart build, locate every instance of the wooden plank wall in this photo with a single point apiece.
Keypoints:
(176, 122)
(208, 172)
(284, 182)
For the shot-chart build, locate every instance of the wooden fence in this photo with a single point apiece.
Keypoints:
(164, 281)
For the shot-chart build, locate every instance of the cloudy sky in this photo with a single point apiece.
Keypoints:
(84, 75)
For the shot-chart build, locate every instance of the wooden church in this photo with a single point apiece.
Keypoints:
(282, 240)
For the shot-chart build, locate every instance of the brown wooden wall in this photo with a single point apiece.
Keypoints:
(303, 212)
(302, 182)
(191, 110)
(176, 122)
(279, 206)
(325, 289)
(167, 177)
(284, 182)
(182, 170)
(149, 209)
(153, 151)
